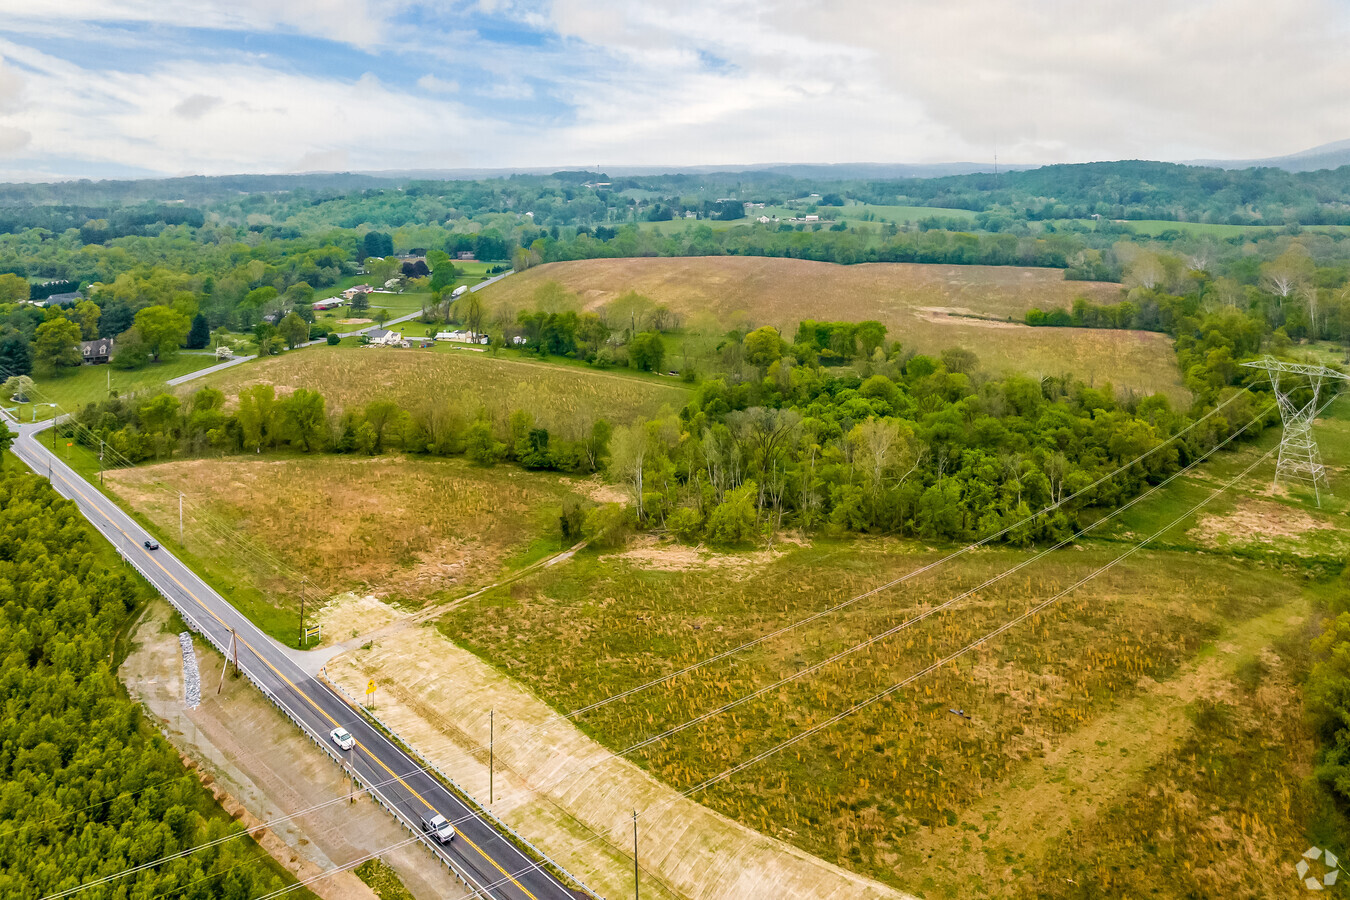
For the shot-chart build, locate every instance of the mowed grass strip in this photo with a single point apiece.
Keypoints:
(564, 399)
(854, 793)
(926, 307)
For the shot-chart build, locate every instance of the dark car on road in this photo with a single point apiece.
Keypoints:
(152, 545)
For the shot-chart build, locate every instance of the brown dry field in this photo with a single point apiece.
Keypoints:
(922, 306)
(564, 399)
(398, 526)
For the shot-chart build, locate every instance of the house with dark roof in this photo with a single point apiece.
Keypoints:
(96, 352)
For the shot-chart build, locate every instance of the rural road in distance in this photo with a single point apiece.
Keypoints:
(481, 855)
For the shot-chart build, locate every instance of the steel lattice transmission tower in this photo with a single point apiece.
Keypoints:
(1299, 458)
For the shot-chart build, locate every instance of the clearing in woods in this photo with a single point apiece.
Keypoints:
(927, 308)
(564, 399)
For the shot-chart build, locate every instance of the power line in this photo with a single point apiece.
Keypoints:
(538, 730)
(833, 720)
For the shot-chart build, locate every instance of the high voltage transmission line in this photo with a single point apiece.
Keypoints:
(985, 540)
(702, 786)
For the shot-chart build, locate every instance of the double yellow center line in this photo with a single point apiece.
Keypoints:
(320, 710)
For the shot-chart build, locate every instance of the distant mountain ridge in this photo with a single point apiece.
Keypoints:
(1325, 156)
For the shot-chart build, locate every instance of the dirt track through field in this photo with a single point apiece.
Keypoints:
(436, 696)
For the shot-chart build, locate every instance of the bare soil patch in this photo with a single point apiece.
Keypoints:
(667, 556)
(569, 795)
(357, 321)
(1257, 521)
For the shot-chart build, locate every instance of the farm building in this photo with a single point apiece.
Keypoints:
(463, 337)
(327, 303)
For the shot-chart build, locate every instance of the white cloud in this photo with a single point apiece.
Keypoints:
(189, 117)
(946, 79)
(434, 85)
(680, 82)
(358, 22)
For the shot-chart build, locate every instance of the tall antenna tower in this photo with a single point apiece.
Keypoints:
(1299, 460)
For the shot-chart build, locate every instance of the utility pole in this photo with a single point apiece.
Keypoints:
(180, 518)
(232, 650)
(635, 857)
(100, 460)
(302, 612)
(491, 760)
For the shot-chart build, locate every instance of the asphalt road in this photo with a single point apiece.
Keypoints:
(486, 860)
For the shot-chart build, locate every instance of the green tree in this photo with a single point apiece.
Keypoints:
(647, 351)
(132, 350)
(360, 303)
(763, 346)
(199, 336)
(13, 288)
(733, 521)
(305, 422)
(163, 330)
(258, 417)
(87, 314)
(294, 330)
(56, 346)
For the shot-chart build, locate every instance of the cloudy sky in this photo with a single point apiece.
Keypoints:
(111, 88)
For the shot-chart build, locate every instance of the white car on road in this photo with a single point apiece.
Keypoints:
(343, 738)
(435, 825)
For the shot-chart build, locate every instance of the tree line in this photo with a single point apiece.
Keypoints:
(900, 443)
(90, 786)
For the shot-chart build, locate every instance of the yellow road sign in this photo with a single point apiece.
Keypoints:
(370, 687)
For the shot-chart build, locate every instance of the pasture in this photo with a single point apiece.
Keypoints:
(75, 388)
(564, 399)
(928, 308)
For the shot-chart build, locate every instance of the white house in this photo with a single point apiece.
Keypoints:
(383, 338)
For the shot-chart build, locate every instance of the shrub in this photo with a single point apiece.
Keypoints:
(608, 526)
(686, 523)
(333, 339)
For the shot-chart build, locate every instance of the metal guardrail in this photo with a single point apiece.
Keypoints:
(399, 816)
(482, 810)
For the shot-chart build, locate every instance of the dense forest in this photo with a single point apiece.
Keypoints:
(89, 787)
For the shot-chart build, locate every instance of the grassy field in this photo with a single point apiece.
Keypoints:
(395, 526)
(89, 384)
(1164, 692)
(1155, 227)
(564, 399)
(927, 308)
(853, 214)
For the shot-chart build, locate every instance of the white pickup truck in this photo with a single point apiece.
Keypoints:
(434, 824)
